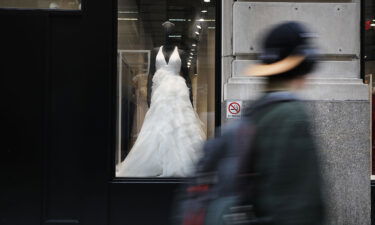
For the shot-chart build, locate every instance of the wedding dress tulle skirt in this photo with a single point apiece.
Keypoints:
(169, 143)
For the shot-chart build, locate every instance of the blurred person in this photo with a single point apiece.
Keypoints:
(263, 169)
(288, 182)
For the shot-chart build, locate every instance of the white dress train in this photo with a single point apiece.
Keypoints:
(169, 143)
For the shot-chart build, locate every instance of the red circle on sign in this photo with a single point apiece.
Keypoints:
(234, 108)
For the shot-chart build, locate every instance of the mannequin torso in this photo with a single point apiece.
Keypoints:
(168, 49)
(167, 52)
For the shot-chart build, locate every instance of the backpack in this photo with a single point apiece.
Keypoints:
(218, 194)
(211, 197)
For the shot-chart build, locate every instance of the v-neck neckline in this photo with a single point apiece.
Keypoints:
(161, 49)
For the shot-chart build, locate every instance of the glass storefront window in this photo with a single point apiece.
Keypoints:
(166, 86)
(41, 4)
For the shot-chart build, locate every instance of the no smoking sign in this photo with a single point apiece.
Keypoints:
(234, 109)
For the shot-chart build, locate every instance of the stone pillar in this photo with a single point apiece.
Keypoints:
(336, 95)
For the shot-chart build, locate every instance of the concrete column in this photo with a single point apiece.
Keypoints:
(227, 46)
(336, 95)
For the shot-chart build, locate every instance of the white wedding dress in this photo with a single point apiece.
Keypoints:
(169, 143)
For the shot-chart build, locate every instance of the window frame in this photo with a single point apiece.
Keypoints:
(218, 92)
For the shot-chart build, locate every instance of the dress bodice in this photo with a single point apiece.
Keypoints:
(174, 64)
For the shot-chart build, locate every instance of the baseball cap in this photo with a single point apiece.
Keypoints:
(286, 46)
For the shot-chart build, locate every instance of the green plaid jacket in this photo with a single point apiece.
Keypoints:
(288, 188)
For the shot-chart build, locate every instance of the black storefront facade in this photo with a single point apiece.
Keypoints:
(60, 118)
(59, 88)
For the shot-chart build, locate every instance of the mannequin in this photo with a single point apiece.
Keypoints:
(168, 48)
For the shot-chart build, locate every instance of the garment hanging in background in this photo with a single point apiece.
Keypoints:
(169, 143)
(141, 107)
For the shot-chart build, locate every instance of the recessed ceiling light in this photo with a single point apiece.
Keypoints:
(207, 0)
(127, 19)
(196, 32)
(128, 12)
(206, 20)
(199, 26)
(193, 45)
(204, 11)
(177, 20)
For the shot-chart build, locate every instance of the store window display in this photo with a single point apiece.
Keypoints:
(166, 100)
(169, 142)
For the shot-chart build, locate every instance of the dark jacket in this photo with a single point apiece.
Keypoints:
(288, 187)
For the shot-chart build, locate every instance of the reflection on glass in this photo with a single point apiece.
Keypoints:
(166, 95)
(41, 4)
